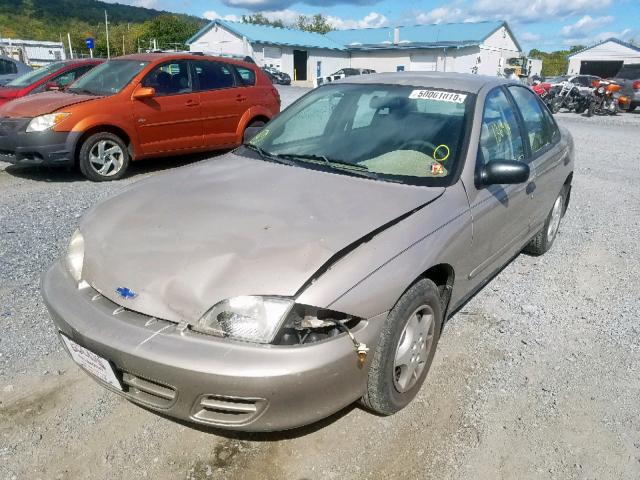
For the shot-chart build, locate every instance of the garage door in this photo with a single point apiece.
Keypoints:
(601, 68)
(424, 62)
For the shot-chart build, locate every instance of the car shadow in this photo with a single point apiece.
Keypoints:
(264, 436)
(62, 174)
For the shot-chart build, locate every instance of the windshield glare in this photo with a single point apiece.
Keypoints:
(108, 78)
(397, 133)
(35, 75)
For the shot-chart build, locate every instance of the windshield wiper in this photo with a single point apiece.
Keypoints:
(80, 91)
(266, 155)
(335, 164)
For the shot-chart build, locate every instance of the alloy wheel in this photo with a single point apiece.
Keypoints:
(106, 158)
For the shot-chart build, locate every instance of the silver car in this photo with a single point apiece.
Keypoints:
(315, 265)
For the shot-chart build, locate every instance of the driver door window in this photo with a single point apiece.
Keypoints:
(169, 79)
(500, 137)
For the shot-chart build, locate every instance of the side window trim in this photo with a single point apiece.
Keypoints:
(528, 154)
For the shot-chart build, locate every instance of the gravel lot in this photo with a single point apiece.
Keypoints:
(538, 377)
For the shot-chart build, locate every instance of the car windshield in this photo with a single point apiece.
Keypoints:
(108, 78)
(35, 75)
(629, 72)
(406, 134)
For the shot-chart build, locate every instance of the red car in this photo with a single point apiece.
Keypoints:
(56, 76)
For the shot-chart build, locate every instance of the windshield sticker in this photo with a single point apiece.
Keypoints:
(441, 153)
(437, 169)
(260, 136)
(438, 96)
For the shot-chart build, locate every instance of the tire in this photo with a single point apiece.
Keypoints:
(555, 107)
(114, 164)
(591, 109)
(543, 240)
(404, 337)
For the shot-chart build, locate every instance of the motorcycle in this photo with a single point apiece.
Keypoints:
(604, 99)
(568, 96)
(543, 90)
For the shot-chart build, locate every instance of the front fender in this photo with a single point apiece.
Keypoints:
(109, 121)
(371, 279)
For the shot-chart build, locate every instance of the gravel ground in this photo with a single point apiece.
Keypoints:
(538, 377)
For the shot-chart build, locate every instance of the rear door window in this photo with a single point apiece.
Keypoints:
(213, 75)
(171, 78)
(541, 130)
(500, 137)
(7, 67)
(247, 76)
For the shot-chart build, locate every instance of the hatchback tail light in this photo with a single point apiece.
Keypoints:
(636, 85)
(276, 94)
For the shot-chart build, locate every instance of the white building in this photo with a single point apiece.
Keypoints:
(33, 52)
(481, 47)
(603, 59)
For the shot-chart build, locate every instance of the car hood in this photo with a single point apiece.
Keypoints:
(41, 104)
(232, 226)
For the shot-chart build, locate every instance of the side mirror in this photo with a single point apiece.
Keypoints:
(144, 93)
(500, 172)
(251, 132)
(52, 87)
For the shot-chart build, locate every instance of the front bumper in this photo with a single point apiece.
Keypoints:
(208, 380)
(36, 148)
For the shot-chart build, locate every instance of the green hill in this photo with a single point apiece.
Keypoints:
(133, 26)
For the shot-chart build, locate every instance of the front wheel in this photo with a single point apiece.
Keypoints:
(405, 350)
(103, 157)
(545, 237)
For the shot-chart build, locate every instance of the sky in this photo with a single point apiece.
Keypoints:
(543, 24)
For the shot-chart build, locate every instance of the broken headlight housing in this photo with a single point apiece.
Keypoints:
(250, 318)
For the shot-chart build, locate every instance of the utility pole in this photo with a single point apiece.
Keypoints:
(70, 48)
(123, 50)
(106, 26)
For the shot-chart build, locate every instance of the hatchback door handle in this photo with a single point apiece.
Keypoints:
(241, 98)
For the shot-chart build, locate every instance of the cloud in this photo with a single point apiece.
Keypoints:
(625, 35)
(526, 11)
(529, 37)
(372, 20)
(584, 26)
(442, 14)
(213, 15)
(278, 5)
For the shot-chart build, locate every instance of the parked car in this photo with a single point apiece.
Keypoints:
(314, 265)
(629, 78)
(343, 73)
(280, 77)
(135, 107)
(54, 77)
(11, 68)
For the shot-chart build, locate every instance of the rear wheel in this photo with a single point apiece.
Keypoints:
(103, 157)
(405, 350)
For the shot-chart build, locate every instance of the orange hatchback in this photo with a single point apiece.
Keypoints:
(135, 107)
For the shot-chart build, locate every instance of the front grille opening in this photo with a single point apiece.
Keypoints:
(218, 409)
(149, 392)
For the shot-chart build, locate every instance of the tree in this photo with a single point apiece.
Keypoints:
(317, 23)
(261, 19)
(554, 63)
(168, 30)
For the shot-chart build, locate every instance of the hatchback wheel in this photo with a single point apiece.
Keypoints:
(406, 348)
(545, 237)
(103, 156)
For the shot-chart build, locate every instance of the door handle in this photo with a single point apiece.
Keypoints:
(531, 186)
(241, 98)
(192, 103)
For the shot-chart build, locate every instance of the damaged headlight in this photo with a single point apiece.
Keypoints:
(250, 318)
(75, 255)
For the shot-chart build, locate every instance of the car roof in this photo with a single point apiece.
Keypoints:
(466, 82)
(164, 56)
